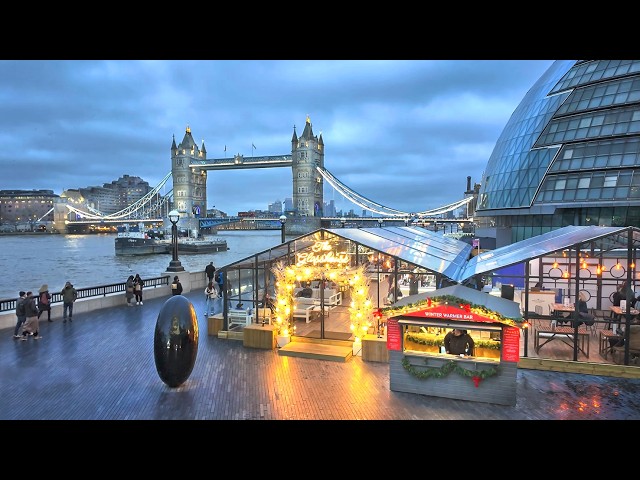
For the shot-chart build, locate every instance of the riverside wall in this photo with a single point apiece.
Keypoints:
(190, 281)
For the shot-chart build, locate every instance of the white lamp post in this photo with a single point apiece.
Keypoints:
(174, 264)
(283, 220)
(380, 222)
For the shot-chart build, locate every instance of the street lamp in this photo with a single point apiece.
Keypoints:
(174, 264)
(380, 222)
(343, 221)
(283, 220)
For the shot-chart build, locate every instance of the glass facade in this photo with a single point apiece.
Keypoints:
(570, 154)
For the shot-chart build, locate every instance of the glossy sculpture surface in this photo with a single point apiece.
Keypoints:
(175, 342)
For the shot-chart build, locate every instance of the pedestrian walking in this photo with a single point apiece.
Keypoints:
(129, 291)
(210, 270)
(211, 294)
(137, 288)
(176, 286)
(220, 281)
(31, 324)
(20, 313)
(44, 302)
(69, 296)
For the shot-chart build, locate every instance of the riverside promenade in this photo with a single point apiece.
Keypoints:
(102, 367)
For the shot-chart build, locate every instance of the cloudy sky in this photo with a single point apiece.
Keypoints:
(403, 133)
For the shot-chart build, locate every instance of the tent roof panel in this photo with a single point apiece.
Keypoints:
(535, 247)
(413, 245)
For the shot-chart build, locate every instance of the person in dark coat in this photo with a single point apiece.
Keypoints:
(31, 324)
(20, 313)
(176, 286)
(69, 296)
(129, 291)
(210, 270)
(138, 283)
(458, 342)
(44, 302)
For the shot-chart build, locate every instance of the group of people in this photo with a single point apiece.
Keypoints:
(29, 308)
(134, 289)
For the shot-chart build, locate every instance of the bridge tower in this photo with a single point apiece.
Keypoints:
(307, 152)
(189, 184)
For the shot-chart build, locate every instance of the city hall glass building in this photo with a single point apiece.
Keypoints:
(569, 155)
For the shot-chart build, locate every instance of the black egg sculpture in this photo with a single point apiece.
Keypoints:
(175, 343)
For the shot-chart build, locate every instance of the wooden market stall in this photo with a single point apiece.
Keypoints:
(418, 363)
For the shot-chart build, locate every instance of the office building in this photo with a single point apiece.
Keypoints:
(26, 206)
(569, 155)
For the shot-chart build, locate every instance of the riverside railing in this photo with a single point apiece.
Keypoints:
(89, 292)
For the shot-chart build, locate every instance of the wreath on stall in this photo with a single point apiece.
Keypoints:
(446, 369)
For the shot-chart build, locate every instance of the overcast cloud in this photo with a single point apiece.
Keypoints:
(405, 134)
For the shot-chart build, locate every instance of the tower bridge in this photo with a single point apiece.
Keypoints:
(188, 193)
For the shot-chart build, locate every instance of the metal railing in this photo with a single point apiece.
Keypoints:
(89, 292)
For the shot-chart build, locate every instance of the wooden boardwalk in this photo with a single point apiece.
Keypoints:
(101, 367)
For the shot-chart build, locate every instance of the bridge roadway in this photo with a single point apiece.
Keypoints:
(102, 367)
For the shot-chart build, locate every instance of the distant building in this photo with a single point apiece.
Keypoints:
(330, 209)
(26, 206)
(288, 204)
(117, 195)
(275, 207)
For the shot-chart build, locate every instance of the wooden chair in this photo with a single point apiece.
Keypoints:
(592, 328)
(603, 318)
(617, 352)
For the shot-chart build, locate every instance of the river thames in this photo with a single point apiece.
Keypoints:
(28, 261)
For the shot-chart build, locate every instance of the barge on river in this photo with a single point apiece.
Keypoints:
(134, 240)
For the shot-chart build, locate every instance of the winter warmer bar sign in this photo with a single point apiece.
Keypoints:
(449, 312)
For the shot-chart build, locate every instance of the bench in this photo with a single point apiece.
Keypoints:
(238, 317)
(305, 311)
(332, 297)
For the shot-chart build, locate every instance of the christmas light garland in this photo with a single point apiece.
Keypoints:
(447, 368)
(287, 276)
(452, 300)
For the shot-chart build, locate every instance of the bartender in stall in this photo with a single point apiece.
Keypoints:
(458, 342)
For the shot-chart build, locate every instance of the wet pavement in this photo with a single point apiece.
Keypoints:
(102, 367)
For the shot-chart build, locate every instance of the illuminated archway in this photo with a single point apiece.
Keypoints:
(321, 262)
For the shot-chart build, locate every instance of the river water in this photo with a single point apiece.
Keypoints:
(28, 261)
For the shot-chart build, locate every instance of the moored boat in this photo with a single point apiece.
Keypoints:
(133, 240)
(205, 245)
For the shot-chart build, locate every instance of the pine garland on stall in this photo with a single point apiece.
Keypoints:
(446, 369)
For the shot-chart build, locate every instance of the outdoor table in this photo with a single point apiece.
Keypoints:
(617, 313)
(562, 308)
(559, 309)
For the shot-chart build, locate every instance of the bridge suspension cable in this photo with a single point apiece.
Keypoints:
(375, 207)
(152, 201)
